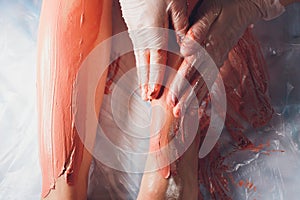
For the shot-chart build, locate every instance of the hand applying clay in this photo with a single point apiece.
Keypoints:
(217, 25)
(143, 17)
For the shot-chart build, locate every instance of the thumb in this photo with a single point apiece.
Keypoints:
(206, 15)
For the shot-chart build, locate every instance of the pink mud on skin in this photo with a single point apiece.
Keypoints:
(68, 31)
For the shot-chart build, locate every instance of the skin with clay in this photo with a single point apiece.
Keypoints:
(68, 31)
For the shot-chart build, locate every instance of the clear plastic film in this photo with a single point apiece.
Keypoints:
(271, 172)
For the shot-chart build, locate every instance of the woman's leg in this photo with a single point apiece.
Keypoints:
(68, 32)
(182, 182)
(154, 184)
(158, 184)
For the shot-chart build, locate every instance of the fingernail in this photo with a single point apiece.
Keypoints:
(153, 91)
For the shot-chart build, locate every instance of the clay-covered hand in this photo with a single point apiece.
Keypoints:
(216, 25)
(144, 19)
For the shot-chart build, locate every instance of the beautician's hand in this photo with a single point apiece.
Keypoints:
(217, 25)
(141, 16)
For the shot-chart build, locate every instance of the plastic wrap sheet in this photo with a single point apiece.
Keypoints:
(274, 172)
(270, 173)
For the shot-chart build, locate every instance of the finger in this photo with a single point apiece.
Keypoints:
(196, 92)
(179, 17)
(158, 59)
(196, 71)
(200, 28)
(181, 105)
(142, 64)
(181, 81)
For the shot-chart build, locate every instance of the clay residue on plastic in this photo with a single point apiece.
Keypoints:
(246, 82)
(68, 31)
